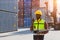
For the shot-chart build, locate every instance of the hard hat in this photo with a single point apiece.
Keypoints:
(38, 12)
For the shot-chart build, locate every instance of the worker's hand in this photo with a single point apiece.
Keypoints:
(44, 32)
(31, 28)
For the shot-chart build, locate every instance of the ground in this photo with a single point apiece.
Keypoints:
(26, 34)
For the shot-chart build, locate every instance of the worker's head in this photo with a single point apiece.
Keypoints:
(38, 14)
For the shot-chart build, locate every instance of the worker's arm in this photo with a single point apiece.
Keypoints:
(31, 28)
(46, 27)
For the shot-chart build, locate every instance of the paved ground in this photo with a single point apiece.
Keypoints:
(25, 34)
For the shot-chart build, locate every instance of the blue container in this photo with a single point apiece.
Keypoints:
(27, 22)
(27, 1)
(27, 5)
(9, 5)
(8, 22)
(27, 10)
(27, 15)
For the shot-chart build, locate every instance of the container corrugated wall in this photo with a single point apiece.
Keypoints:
(27, 22)
(20, 4)
(20, 13)
(9, 5)
(8, 22)
(8, 15)
(20, 18)
(27, 13)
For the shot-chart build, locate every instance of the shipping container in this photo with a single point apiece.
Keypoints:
(20, 18)
(27, 5)
(9, 5)
(20, 4)
(27, 1)
(27, 10)
(35, 0)
(8, 22)
(20, 22)
(20, 14)
(27, 15)
(27, 22)
(21, 0)
(21, 10)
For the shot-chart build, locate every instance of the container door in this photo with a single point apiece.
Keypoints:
(27, 22)
(9, 5)
(8, 22)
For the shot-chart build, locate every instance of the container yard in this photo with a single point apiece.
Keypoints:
(22, 19)
(49, 15)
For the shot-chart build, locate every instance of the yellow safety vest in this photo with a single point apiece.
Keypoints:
(39, 25)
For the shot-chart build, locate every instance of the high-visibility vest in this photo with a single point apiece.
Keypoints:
(39, 25)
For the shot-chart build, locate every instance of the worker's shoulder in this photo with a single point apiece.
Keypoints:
(43, 20)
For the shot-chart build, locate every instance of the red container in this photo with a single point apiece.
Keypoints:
(20, 4)
(20, 18)
(20, 22)
(21, 0)
(20, 14)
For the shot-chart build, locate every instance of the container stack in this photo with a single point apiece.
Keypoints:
(35, 3)
(8, 15)
(20, 13)
(27, 13)
(20, 4)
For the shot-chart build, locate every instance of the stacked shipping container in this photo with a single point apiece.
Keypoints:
(20, 18)
(9, 5)
(20, 13)
(20, 4)
(8, 15)
(27, 13)
(25, 16)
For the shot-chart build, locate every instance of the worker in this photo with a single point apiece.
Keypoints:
(39, 26)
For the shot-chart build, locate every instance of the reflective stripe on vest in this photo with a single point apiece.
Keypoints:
(39, 25)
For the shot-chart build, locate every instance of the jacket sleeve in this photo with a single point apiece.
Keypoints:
(46, 25)
(31, 28)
